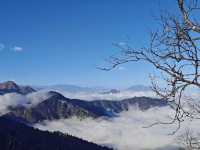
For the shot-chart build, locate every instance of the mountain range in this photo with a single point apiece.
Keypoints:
(75, 88)
(68, 88)
(56, 106)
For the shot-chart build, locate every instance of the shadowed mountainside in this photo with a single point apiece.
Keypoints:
(18, 136)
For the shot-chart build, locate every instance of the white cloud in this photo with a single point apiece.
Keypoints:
(121, 68)
(14, 99)
(106, 96)
(122, 43)
(125, 132)
(14, 48)
(17, 49)
(37, 97)
(2, 46)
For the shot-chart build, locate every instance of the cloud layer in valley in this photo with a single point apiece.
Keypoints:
(125, 132)
(107, 96)
(14, 99)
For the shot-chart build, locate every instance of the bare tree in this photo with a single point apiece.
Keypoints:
(174, 50)
(189, 140)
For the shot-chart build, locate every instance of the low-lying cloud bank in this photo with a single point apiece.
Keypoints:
(125, 132)
(107, 96)
(14, 99)
(10, 100)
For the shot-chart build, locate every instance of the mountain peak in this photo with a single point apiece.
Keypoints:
(12, 87)
(55, 95)
(8, 85)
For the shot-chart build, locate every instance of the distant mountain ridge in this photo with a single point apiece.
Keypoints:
(138, 88)
(112, 91)
(56, 106)
(76, 88)
(68, 88)
(12, 87)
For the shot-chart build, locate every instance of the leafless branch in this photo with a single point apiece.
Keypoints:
(174, 51)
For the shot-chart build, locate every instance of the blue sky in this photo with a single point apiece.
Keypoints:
(63, 41)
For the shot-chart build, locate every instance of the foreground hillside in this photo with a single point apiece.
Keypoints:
(18, 136)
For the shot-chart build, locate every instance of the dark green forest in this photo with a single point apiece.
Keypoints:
(18, 136)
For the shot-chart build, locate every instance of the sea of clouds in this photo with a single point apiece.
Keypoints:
(14, 99)
(88, 96)
(125, 132)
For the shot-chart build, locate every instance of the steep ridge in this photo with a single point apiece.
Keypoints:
(56, 106)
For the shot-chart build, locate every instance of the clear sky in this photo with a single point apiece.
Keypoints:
(63, 41)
